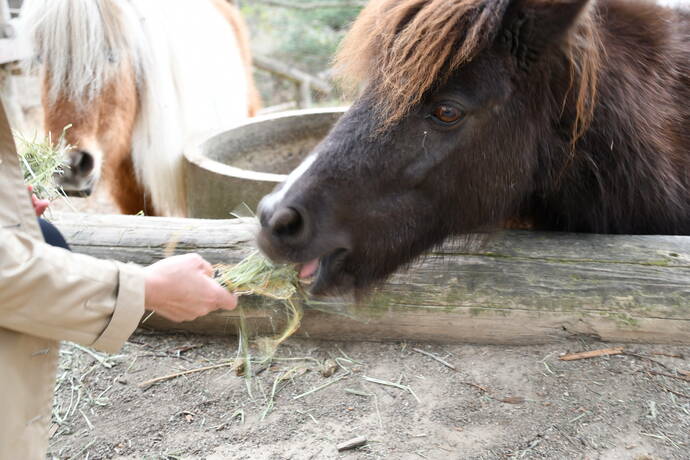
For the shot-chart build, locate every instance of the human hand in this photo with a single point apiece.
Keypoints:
(180, 288)
(39, 205)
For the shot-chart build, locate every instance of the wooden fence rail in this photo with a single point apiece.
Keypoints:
(519, 288)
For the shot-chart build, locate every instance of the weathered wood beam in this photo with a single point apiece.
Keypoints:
(519, 288)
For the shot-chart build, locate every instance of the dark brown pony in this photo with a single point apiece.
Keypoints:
(564, 115)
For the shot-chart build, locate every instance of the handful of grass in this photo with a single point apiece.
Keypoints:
(256, 275)
(41, 160)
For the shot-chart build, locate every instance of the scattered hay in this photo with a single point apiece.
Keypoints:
(80, 391)
(319, 388)
(41, 160)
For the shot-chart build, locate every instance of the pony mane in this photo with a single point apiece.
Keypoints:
(401, 49)
(97, 35)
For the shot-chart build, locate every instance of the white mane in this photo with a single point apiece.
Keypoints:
(190, 75)
(79, 41)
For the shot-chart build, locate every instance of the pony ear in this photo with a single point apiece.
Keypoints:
(531, 27)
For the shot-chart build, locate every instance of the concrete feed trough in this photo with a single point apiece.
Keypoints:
(245, 163)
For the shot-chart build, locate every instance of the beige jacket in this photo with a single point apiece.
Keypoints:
(48, 294)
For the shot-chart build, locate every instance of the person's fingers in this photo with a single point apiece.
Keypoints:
(224, 299)
(186, 314)
(207, 268)
(40, 207)
(174, 317)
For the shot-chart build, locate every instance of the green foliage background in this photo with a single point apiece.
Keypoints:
(305, 39)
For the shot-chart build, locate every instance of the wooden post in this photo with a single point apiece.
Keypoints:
(519, 288)
(305, 99)
(304, 82)
(10, 97)
(13, 45)
(13, 48)
(6, 29)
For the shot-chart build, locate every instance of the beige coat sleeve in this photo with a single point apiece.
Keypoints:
(56, 294)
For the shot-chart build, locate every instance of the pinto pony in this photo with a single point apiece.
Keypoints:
(564, 115)
(138, 80)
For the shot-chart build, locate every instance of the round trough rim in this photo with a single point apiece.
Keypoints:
(195, 156)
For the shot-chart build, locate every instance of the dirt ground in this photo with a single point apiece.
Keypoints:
(498, 402)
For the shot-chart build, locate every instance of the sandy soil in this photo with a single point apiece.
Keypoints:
(499, 402)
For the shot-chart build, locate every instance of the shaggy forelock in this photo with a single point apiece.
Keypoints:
(97, 35)
(402, 48)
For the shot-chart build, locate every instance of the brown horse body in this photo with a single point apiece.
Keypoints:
(571, 115)
(104, 118)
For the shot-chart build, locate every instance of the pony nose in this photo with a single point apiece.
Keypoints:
(81, 163)
(288, 224)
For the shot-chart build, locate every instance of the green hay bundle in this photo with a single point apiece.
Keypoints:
(41, 160)
(256, 275)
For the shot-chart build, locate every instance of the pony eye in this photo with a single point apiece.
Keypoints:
(446, 114)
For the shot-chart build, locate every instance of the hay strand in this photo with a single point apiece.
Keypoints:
(433, 356)
(163, 378)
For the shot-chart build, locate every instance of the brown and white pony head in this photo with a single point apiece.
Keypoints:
(138, 81)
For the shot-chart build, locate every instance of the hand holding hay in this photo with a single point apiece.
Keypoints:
(179, 288)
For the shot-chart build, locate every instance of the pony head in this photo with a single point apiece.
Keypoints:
(443, 139)
(138, 84)
(87, 53)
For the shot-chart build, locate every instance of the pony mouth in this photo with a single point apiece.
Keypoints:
(83, 193)
(325, 273)
(76, 187)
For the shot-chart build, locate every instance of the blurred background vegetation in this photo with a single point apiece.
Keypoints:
(299, 36)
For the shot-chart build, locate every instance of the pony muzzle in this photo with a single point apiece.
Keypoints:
(79, 174)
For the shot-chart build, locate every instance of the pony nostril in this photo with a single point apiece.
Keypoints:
(286, 222)
(82, 163)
